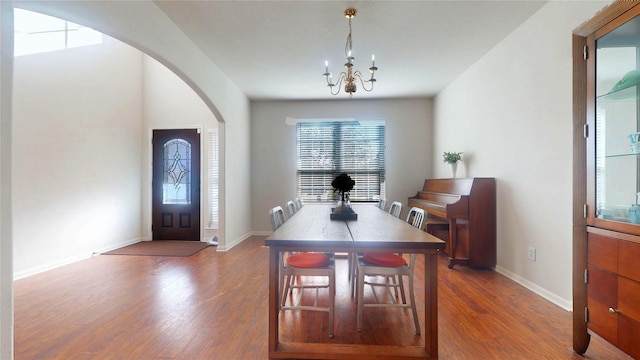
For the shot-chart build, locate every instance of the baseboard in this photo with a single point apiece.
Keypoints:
(228, 245)
(56, 264)
(117, 246)
(561, 302)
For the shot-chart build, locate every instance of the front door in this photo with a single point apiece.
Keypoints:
(176, 185)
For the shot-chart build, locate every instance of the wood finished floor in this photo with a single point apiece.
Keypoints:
(214, 306)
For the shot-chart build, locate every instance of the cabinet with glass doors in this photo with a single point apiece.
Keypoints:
(606, 231)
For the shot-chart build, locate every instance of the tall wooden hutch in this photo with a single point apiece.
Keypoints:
(606, 215)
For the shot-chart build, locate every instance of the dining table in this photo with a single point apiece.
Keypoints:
(374, 230)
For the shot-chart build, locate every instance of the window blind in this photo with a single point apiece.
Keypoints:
(213, 178)
(326, 149)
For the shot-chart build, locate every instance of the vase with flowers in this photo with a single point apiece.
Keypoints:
(343, 184)
(452, 159)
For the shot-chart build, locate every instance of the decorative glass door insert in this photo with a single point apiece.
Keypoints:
(176, 184)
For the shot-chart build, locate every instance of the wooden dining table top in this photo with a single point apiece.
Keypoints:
(374, 229)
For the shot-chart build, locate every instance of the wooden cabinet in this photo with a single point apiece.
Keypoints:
(606, 179)
(613, 288)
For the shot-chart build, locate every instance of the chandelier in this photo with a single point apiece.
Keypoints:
(349, 77)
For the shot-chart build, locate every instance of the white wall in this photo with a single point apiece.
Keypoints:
(6, 244)
(143, 25)
(236, 152)
(76, 145)
(117, 98)
(168, 103)
(511, 114)
(408, 139)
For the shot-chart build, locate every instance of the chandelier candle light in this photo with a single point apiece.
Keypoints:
(349, 77)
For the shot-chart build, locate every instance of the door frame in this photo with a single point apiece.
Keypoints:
(147, 191)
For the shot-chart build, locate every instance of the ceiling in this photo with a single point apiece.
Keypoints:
(277, 49)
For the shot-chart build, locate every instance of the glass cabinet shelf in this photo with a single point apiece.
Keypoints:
(627, 94)
(622, 155)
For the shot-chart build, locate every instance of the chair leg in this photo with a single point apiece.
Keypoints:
(402, 293)
(353, 277)
(283, 283)
(350, 265)
(360, 297)
(413, 303)
(401, 284)
(332, 297)
(289, 281)
(281, 288)
(392, 280)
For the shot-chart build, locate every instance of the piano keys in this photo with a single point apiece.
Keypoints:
(462, 212)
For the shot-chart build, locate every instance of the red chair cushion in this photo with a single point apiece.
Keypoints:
(308, 260)
(384, 259)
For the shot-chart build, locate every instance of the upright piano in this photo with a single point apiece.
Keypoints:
(462, 212)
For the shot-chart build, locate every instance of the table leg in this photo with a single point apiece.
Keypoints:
(273, 298)
(431, 303)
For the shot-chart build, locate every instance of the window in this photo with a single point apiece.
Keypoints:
(326, 149)
(38, 33)
(213, 178)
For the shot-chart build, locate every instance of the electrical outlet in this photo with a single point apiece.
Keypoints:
(531, 253)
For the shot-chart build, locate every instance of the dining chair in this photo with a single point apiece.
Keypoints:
(416, 217)
(294, 265)
(276, 215)
(352, 257)
(395, 209)
(393, 268)
(291, 208)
